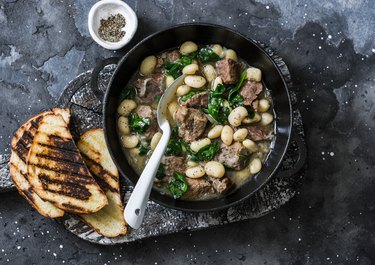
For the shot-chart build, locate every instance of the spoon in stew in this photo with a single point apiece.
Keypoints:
(136, 206)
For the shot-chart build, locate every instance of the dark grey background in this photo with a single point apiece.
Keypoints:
(329, 48)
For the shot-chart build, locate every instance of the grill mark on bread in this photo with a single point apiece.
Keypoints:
(29, 194)
(72, 161)
(102, 170)
(24, 175)
(61, 142)
(21, 154)
(72, 207)
(75, 190)
(86, 179)
(59, 149)
(27, 137)
(63, 165)
(100, 174)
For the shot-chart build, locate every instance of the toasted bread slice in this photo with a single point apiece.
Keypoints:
(109, 221)
(57, 171)
(65, 114)
(21, 143)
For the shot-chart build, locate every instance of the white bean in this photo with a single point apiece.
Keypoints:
(209, 72)
(254, 74)
(173, 108)
(267, 118)
(123, 125)
(199, 144)
(126, 107)
(215, 132)
(188, 47)
(155, 140)
(218, 49)
(214, 169)
(240, 134)
(168, 80)
(254, 119)
(195, 172)
(148, 65)
(192, 163)
(250, 145)
(129, 141)
(231, 54)
(227, 135)
(264, 105)
(195, 81)
(190, 69)
(182, 90)
(237, 115)
(255, 166)
(217, 81)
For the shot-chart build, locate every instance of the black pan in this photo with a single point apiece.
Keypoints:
(202, 34)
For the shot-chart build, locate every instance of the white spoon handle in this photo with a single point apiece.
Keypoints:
(136, 206)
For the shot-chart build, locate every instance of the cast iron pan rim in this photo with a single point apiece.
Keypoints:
(105, 101)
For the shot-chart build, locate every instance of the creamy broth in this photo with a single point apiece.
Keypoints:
(222, 90)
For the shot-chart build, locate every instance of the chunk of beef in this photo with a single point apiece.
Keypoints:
(228, 70)
(147, 112)
(173, 55)
(149, 88)
(250, 91)
(257, 133)
(197, 188)
(255, 105)
(234, 156)
(169, 56)
(191, 123)
(199, 100)
(222, 185)
(173, 164)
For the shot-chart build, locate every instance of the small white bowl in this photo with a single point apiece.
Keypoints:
(104, 9)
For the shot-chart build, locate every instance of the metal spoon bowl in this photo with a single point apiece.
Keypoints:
(136, 206)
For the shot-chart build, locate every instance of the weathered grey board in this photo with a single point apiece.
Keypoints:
(87, 113)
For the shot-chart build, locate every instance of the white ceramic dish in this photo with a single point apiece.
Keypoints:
(104, 9)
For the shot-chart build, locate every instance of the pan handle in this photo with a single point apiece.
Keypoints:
(95, 74)
(302, 155)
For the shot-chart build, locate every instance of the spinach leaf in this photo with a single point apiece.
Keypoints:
(236, 100)
(174, 147)
(190, 95)
(128, 93)
(216, 108)
(206, 153)
(161, 172)
(139, 124)
(207, 55)
(177, 185)
(157, 98)
(174, 69)
(143, 148)
(233, 90)
(250, 111)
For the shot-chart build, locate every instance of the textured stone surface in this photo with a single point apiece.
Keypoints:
(329, 48)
